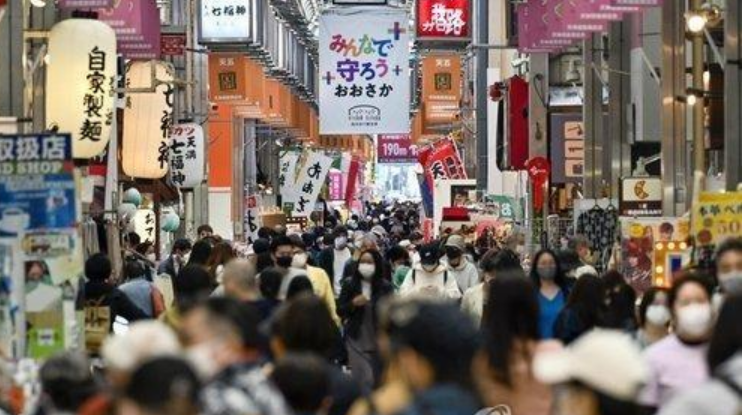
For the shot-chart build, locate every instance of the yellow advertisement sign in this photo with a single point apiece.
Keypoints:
(717, 216)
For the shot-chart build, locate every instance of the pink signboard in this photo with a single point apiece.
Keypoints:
(335, 185)
(137, 27)
(83, 4)
(396, 148)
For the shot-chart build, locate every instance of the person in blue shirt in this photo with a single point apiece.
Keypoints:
(552, 289)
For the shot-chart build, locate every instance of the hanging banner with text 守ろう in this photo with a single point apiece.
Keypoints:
(364, 71)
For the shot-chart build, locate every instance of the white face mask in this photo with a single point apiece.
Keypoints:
(658, 315)
(694, 319)
(299, 260)
(202, 359)
(367, 270)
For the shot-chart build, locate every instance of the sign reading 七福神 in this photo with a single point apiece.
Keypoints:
(225, 21)
(147, 121)
(364, 71)
(396, 148)
(79, 97)
(187, 155)
(443, 19)
(641, 196)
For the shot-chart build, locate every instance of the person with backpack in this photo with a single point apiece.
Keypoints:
(103, 302)
(143, 293)
(430, 278)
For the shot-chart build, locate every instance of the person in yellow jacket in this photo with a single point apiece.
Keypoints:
(317, 276)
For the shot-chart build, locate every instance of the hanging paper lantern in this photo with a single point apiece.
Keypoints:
(79, 82)
(126, 212)
(187, 155)
(144, 225)
(170, 222)
(133, 196)
(147, 122)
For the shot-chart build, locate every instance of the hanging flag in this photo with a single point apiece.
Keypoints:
(287, 175)
(311, 178)
(364, 71)
(353, 179)
(252, 220)
(441, 160)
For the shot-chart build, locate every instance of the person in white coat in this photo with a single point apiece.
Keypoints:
(461, 268)
(430, 278)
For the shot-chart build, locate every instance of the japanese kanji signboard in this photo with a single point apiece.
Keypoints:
(37, 186)
(441, 160)
(443, 19)
(364, 71)
(145, 225)
(442, 89)
(396, 148)
(187, 155)
(225, 21)
(716, 216)
(79, 97)
(252, 219)
(287, 174)
(227, 81)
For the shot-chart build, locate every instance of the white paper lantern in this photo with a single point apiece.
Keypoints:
(79, 83)
(147, 121)
(144, 225)
(187, 155)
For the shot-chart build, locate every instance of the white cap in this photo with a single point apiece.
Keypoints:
(585, 269)
(144, 340)
(605, 360)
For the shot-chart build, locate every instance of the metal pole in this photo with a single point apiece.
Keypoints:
(732, 94)
(481, 80)
(592, 118)
(697, 71)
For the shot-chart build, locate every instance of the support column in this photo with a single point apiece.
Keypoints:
(593, 114)
(673, 132)
(238, 178)
(732, 94)
(697, 82)
(617, 158)
(481, 94)
(11, 64)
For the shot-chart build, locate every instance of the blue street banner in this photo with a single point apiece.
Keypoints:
(37, 184)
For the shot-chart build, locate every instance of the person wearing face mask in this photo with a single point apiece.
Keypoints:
(653, 315)
(459, 267)
(728, 262)
(677, 363)
(430, 278)
(317, 276)
(333, 259)
(223, 344)
(552, 290)
(357, 306)
(399, 260)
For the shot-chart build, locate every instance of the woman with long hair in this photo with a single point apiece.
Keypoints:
(584, 310)
(653, 317)
(552, 289)
(357, 307)
(220, 255)
(502, 369)
(200, 253)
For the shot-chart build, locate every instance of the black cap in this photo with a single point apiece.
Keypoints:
(429, 254)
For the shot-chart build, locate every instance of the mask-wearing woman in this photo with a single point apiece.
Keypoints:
(677, 363)
(357, 307)
(654, 317)
(551, 290)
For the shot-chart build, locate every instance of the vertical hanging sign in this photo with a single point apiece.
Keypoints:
(364, 71)
(311, 179)
(187, 155)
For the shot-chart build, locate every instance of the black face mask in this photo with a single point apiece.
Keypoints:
(284, 261)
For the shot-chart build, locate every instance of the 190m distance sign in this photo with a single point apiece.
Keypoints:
(364, 71)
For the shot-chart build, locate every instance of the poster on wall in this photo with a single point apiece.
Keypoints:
(640, 236)
(717, 216)
(37, 185)
(364, 71)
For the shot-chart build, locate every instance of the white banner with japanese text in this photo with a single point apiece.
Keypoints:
(311, 178)
(187, 155)
(364, 71)
(288, 175)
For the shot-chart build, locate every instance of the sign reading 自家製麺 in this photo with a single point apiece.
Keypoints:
(364, 71)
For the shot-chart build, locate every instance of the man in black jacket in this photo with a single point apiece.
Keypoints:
(99, 291)
(177, 259)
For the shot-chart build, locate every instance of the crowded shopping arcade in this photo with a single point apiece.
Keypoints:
(370, 207)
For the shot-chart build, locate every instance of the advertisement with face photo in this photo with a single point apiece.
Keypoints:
(639, 238)
(52, 264)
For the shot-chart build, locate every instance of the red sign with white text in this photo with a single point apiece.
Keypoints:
(443, 19)
(441, 160)
(396, 148)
